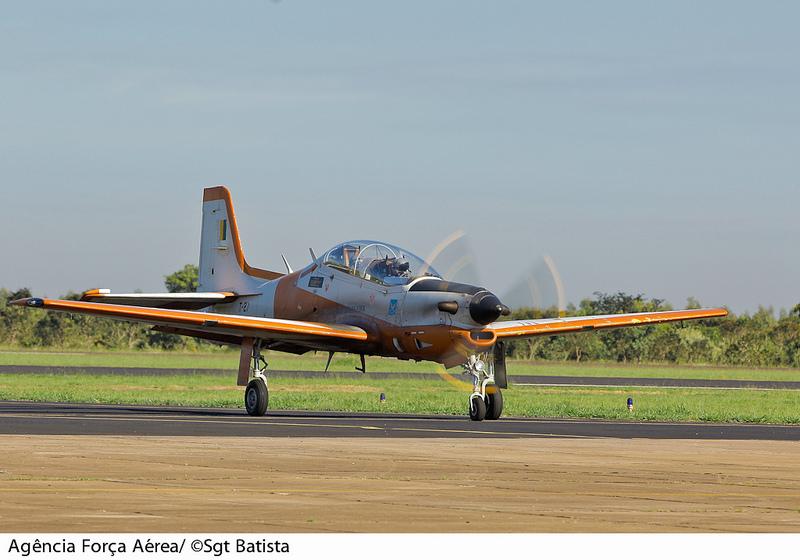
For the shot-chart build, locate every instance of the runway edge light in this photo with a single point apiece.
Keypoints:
(383, 398)
(630, 404)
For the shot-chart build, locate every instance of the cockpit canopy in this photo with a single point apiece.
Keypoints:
(378, 262)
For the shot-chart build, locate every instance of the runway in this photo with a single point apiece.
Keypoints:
(543, 380)
(26, 418)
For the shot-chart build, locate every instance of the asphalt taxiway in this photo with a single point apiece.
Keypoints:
(27, 418)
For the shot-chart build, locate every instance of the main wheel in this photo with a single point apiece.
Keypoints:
(256, 397)
(494, 402)
(477, 408)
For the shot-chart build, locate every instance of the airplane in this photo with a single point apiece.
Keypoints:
(367, 298)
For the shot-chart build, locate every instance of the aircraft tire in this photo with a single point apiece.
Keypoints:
(256, 397)
(494, 402)
(477, 408)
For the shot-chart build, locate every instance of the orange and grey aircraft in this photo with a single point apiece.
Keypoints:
(366, 298)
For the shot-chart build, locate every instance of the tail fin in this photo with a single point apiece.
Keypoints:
(222, 262)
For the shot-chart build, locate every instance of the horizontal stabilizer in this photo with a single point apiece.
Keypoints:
(188, 301)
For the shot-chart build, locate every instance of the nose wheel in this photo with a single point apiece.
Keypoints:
(486, 400)
(477, 408)
(494, 402)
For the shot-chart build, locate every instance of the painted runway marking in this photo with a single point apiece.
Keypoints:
(504, 420)
(292, 425)
(80, 419)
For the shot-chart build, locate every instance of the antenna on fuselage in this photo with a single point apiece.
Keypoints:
(313, 256)
(288, 267)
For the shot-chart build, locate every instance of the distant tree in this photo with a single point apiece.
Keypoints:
(623, 345)
(609, 304)
(183, 280)
(16, 323)
(693, 303)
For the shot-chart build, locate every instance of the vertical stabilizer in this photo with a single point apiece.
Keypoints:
(222, 263)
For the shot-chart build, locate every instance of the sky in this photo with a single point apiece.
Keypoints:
(645, 147)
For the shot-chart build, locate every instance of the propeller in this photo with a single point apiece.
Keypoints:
(454, 258)
(538, 284)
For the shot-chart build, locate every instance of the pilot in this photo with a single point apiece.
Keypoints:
(403, 268)
(395, 268)
(380, 268)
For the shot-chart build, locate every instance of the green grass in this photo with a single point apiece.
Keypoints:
(227, 359)
(411, 396)
(224, 359)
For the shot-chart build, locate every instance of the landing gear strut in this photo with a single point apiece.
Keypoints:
(486, 400)
(252, 372)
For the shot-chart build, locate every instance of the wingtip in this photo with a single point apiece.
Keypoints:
(714, 311)
(28, 302)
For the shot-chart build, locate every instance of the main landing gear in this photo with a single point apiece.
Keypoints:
(253, 366)
(486, 400)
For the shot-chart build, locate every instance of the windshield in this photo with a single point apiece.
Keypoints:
(378, 262)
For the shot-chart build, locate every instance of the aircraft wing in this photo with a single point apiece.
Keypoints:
(186, 301)
(544, 327)
(213, 326)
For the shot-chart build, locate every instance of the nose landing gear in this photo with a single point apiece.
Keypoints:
(486, 400)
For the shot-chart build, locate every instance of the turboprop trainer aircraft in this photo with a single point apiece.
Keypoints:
(367, 298)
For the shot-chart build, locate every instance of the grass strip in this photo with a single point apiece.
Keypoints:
(436, 396)
(227, 359)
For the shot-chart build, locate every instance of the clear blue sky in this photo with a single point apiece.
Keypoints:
(647, 147)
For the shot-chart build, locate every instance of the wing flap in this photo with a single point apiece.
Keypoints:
(544, 327)
(234, 325)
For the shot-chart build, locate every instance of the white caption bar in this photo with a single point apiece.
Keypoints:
(397, 546)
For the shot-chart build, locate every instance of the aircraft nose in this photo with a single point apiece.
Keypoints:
(486, 308)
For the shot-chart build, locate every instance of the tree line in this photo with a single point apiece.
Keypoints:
(758, 339)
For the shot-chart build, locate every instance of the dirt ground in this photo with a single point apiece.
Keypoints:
(192, 484)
